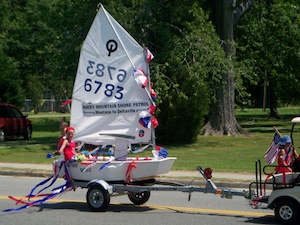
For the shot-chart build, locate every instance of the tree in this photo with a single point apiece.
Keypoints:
(35, 90)
(187, 56)
(221, 118)
(10, 82)
(71, 21)
(271, 50)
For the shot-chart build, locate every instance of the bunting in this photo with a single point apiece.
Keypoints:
(45, 196)
(140, 77)
(149, 55)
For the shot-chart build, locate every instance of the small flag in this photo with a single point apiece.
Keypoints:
(149, 55)
(153, 95)
(162, 152)
(272, 152)
(145, 121)
(154, 122)
(152, 109)
(63, 104)
(140, 77)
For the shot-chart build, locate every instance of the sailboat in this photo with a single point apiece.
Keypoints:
(112, 105)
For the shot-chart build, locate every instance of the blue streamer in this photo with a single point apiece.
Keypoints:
(44, 182)
(104, 165)
(55, 191)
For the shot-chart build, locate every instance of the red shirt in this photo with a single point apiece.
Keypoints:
(284, 163)
(69, 150)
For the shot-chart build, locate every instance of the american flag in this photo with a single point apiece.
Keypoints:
(272, 152)
(149, 55)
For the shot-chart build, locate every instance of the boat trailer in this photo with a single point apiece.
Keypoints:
(100, 191)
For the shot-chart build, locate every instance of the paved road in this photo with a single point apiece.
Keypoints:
(162, 208)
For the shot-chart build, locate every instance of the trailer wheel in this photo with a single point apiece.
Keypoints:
(139, 198)
(287, 211)
(97, 198)
(2, 135)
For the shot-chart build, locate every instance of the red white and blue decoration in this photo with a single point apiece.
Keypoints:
(149, 55)
(38, 192)
(140, 77)
(147, 120)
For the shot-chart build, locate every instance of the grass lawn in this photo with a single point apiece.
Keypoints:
(222, 154)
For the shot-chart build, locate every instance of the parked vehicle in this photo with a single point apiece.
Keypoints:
(13, 123)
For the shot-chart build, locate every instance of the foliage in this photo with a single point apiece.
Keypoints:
(10, 81)
(180, 74)
(35, 90)
(268, 44)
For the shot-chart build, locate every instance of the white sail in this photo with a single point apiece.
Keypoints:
(110, 106)
(107, 100)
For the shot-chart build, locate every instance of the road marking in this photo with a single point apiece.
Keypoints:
(175, 208)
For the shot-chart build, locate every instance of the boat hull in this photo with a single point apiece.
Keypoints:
(129, 170)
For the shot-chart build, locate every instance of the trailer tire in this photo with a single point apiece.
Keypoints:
(287, 211)
(139, 198)
(97, 198)
(2, 135)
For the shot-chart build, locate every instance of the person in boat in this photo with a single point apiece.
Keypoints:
(62, 138)
(285, 155)
(62, 127)
(68, 146)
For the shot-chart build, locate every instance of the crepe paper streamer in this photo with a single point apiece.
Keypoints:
(55, 191)
(131, 166)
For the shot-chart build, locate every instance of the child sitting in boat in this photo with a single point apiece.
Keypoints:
(67, 146)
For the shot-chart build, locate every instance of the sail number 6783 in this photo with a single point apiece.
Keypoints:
(106, 73)
(101, 70)
(110, 90)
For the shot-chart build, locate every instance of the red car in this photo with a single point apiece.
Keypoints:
(13, 123)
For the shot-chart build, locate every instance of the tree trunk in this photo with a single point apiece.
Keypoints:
(221, 118)
(272, 102)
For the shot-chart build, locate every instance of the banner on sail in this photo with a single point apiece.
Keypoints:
(102, 109)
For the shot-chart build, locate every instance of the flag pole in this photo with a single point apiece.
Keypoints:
(277, 131)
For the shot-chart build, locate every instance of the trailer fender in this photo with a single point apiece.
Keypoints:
(102, 183)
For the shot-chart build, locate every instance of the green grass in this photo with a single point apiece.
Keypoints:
(44, 140)
(222, 154)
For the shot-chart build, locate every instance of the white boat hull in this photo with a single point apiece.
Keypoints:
(132, 169)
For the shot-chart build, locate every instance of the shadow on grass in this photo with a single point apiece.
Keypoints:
(46, 142)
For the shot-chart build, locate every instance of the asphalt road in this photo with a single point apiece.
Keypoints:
(162, 208)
